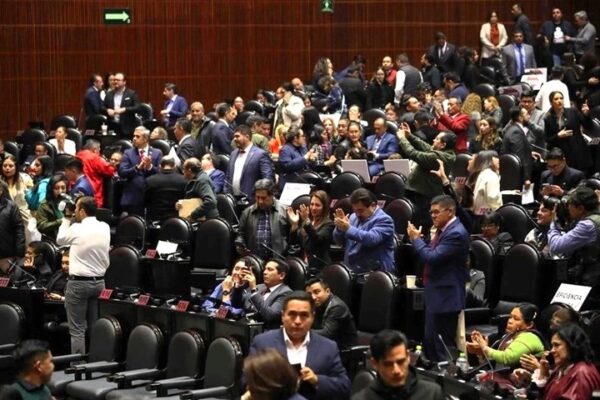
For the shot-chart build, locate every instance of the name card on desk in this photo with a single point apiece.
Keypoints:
(4, 282)
(151, 253)
(105, 294)
(89, 132)
(143, 300)
(182, 306)
(222, 312)
(573, 295)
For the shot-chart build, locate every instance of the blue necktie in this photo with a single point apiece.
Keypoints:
(521, 60)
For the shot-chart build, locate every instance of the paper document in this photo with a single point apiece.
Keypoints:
(527, 195)
(188, 206)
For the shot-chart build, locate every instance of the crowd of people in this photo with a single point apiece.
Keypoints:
(427, 114)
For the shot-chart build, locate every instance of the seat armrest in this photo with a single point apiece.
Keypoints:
(67, 358)
(123, 379)
(183, 383)
(87, 369)
(477, 316)
(7, 348)
(204, 393)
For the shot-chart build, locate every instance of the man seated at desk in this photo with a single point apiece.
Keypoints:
(55, 288)
(31, 268)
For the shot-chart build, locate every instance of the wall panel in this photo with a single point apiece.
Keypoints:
(213, 49)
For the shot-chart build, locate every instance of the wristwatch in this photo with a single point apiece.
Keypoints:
(226, 292)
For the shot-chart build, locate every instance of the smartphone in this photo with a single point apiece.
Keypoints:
(550, 359)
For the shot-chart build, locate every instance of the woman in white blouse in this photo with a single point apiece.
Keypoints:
(493, 37)
(486, 192)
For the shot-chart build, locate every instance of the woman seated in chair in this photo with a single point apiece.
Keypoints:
(491, 229)
(520, 338)
(311, 228)
(32, 267)
(49, 215)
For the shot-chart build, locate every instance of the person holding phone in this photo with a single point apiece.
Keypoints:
(222, 293)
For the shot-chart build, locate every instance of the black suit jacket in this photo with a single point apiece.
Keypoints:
(222, 134)
(127, 121)
(447, 62)
(92, 103)
(515, 142)
(567, 180)
(187, 149)
(162, 191)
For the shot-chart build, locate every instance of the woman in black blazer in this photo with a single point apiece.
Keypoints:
(311, 229)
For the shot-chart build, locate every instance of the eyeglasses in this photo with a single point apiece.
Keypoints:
(437, 212)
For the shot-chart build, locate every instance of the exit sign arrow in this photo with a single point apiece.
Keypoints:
(117, 16)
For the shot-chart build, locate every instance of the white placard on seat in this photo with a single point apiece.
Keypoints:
(573, 295)
(359, 167)
(398, 166)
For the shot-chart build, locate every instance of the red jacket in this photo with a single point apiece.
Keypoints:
(96, 169)
(577, 383)
(459, 124)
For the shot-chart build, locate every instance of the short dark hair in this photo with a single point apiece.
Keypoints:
(529, 312)
(281, 266)
(88, 204)
(555, 154)
(494, 218)
(53, 181)
(450, 139)
(265, 184)
(577, 341)
(222, 109)
(299, 295)
(439, 35)
(585, 197)
(92, 144)
(363, 196)
(514, 113)
(527, 93)
(423, 117)
(314, 280)
(244, 130)
(452, 76)
(171, 86)
(255, 119)
(557, 72)
(445, 201)
(74, 163)
(287, 86)
(185, 124)
(384, 341)
(28, 352)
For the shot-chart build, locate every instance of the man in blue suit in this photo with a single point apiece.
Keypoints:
(216, 176)
(92, 102)
(175, 107)
(322, 375)
(444, 274)
(222, 132)
(248, 164)
(380, 146)
(136, 165)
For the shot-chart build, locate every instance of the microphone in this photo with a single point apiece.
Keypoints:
(30, 277)
(452, 367)
(275, 253)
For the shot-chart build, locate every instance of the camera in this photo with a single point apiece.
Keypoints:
(562, 210)
(66, 204)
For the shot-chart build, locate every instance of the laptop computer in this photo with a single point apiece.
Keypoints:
(398, 166)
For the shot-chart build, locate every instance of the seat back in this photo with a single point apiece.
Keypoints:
(340, 280)
(506, 102)
(521, 274)
(131, 230)
(253, 105)
(484, 254)
(363, 379)
(145, 111)
(371, 115)
(223, 363)
(213, 245)
(124, 269)
(344, 184)
(511, 172)
(61, 160)
(296, 276)
(486, 89)
(13, 323)
(67, 121)
(74, 135)
(257, 265)
(516, 221)
(377, 303)
(344, 204)
(226, 208)
(28, 140)
(106, 337)
(12, 148)
(144, 347)
(243, 117)
(302, 199)
(459, 169)
(122, 144)
(162, 145)
(390, 186)
(186, 355)
(222, 162)
(177, 230)
(50, 149)
(51, 254)
(95, 122)
(401, 211)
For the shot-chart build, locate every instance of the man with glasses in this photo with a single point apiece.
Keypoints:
(444, 275)
(559, 178)
(121, 105)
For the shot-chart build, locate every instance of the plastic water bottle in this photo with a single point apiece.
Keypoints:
(416, 356)
(104, 129)
(462, 363)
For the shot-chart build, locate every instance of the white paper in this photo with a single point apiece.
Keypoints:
(164, 247)
(293, 190)
(536, 77)
(573, 295)
(527, 195)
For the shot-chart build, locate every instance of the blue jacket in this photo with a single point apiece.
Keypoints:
(222, 135)
(218, 180)
(82, 187)
(179, 109)
(291, 160)
(369, 244)
(258, 165)
(388, 146)
(136, 180)
(448, 273)
(35, 197)
(323, 358)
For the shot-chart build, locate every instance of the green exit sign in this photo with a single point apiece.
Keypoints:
(117, 16)
(327, 6)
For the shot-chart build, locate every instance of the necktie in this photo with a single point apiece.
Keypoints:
(520, 60)
(265, 291)
(142, 153)
(432, 245)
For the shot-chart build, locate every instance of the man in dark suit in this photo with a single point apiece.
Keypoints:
(333, 318)
(216, 176)
(265, 299)
(222, 132)
(121, 105)
(248, 163)
(515, 141)
(175, 106)
(136, 165)
(322, 375)
(92, 102)
(380, 146)
(163, 190)
(518, 56)
(559, 178)
(186, 145)
(443, 53)
(522, 23)
(444, 275)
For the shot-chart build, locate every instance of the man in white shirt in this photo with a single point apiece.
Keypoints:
(88, 260)
(555, 84)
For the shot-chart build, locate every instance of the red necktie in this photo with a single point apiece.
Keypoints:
(141, 153)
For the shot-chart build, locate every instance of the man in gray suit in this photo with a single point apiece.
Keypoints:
(518, 56)
(266, 299)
